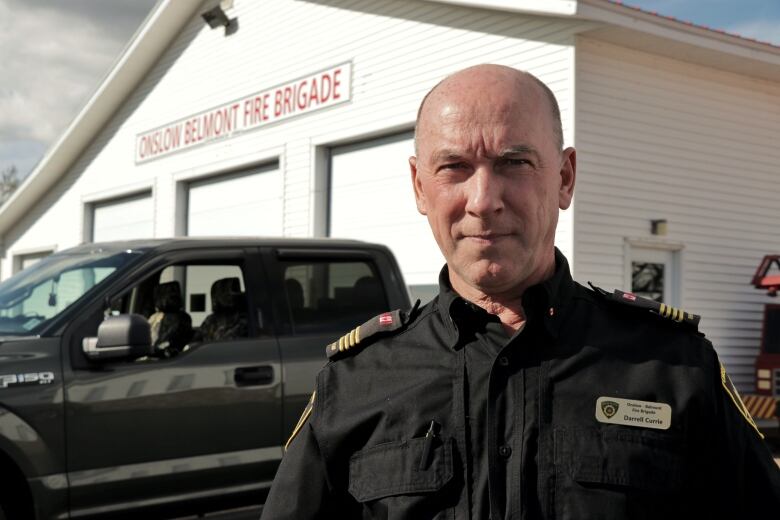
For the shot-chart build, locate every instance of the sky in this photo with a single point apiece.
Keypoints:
(55, 53)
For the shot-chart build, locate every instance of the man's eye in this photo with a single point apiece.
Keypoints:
(453, 166)
(518, 162)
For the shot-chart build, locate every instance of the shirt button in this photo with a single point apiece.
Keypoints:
(503, 361)
(504, 451)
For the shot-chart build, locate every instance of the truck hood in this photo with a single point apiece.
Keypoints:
(12, 339)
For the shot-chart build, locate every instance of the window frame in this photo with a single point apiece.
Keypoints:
(247, 258)
(276, 259)
(670, 254)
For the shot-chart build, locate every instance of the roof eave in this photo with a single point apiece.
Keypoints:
(635, 28)
(670, 37)
(537, 7)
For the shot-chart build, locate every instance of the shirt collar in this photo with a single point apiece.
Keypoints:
(544, 302)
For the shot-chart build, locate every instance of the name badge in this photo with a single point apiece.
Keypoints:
(630, 412)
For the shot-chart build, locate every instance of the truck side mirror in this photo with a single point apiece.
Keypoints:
(124, 336)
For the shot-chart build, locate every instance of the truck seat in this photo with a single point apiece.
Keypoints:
(171, 326)
(228, 319)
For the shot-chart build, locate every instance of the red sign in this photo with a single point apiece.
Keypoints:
(311, 93)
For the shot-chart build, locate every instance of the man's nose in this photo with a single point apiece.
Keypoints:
(484, 192)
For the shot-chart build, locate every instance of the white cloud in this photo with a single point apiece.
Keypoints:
(51, 62)
(53, 56)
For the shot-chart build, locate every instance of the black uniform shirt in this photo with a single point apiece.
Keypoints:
(446, 417)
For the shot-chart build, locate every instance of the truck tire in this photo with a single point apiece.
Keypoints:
(15, 498)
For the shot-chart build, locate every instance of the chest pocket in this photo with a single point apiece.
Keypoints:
(391, 483)
(616, 473)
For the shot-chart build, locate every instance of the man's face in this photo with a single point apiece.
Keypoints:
(490, 178)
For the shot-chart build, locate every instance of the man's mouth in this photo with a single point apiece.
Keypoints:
(486, 238)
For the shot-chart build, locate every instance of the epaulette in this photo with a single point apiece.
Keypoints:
(654, 307)
(377, 327)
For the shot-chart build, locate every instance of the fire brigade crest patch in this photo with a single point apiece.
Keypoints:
(609, 408)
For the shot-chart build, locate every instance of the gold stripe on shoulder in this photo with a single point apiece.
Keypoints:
(304, 416)
(728, 386)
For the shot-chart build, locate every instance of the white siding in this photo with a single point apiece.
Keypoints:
(398, 48)
(664, 139)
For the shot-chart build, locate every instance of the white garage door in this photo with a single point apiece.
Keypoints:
(123, 219)
(245, 203)
(372, 199)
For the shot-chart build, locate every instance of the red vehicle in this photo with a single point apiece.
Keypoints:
(763, 405)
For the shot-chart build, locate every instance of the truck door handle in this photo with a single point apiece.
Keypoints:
(259, 375)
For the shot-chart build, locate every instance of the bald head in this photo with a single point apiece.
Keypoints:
(479, 82)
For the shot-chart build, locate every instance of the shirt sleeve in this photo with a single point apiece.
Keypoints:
(300, 488)
(749, 476)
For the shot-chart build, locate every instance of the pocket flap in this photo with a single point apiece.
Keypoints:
(393, 468)
(640, 459)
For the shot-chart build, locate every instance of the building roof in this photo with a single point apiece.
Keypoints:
(615, 22)
(690, 23)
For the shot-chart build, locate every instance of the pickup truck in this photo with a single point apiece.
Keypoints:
(162, 377)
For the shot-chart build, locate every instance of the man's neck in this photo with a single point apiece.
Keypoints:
(507, 305)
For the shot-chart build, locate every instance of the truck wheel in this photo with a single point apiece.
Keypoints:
(15, 500)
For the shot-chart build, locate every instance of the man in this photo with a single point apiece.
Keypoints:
(517, 393)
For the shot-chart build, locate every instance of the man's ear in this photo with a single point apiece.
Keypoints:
(568, 175)
(419, 194)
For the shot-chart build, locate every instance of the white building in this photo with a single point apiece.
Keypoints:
(296, 120)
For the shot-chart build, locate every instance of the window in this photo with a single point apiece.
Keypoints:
(647, 279)
(33, 296)
(190, 303)
(653, 272)
(325, 296)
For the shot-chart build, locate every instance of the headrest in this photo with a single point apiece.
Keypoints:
(294, 293)
(167, 297)
(368, 291)
(225, 293)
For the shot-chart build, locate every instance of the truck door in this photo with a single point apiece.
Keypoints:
(323, 295)
(201, 422)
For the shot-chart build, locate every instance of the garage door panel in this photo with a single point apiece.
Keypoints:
(123, 219)
(246, 203)
(372, 199)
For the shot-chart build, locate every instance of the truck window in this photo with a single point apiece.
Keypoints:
(332, 296)
(190, 303)
(32, 297)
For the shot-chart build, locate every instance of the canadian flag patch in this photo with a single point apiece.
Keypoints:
(386, 319)
(629, 296)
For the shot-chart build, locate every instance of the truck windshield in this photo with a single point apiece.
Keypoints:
(32, 297)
